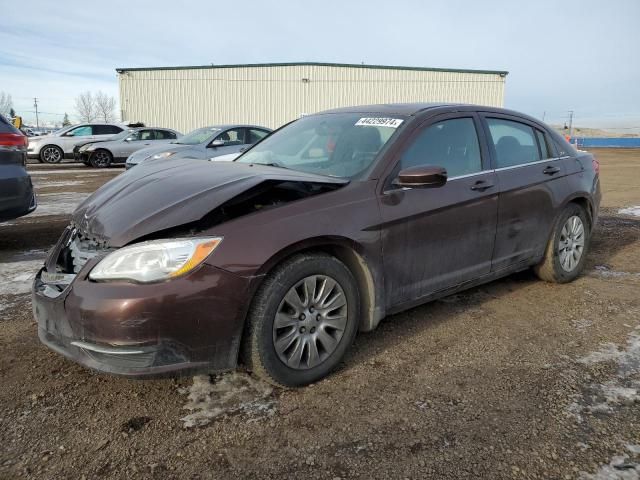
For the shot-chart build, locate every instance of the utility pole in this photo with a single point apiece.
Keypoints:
(35, 104)
(544, 114)
(571, 124)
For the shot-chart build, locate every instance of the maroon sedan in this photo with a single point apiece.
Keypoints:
(319, 231)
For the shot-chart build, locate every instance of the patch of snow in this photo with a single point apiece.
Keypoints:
(57, 203)
(606, 272)
(623, 389)
(67, 183)
(229, 393)
(72, 170)
(633, 448)
(634, 211)
(619, 468)
(16, 277)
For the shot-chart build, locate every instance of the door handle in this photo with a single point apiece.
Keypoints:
(551, 170)
(481, 186)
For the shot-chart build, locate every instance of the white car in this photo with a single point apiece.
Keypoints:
(58, 145)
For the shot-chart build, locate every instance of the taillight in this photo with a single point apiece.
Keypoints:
(13, 140)
(596, 165)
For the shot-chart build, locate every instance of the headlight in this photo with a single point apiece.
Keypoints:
(158, 156)
(154, 261)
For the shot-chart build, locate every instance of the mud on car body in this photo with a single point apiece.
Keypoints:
(278, 258)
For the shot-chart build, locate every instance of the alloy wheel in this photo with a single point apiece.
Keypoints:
(571, 243)
(310, 322)
(51, 155)
(101, 159)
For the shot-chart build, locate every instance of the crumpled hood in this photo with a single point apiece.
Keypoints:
(170, 193)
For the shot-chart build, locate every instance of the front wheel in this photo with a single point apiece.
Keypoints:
(302, 321)
(51, 154)
(101, 159)
(567, 249)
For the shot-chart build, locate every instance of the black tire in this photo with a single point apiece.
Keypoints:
(551, 267)
(51, 154)
(259, 353)
(101, 158)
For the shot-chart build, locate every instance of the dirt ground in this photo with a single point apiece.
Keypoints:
(514, 379)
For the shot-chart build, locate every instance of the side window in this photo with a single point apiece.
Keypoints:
(452, 144)
(165, 135)
(147, 135)
(255, 135)
(81, 131)
(106, 129)
(514, 142)
(544, 145)
(235, 136)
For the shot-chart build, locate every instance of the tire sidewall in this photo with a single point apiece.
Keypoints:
(560, 273)
(273, 295)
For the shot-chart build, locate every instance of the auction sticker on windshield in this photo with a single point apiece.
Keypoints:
(379, 122)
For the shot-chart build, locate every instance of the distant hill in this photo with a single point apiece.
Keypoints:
(594, 132)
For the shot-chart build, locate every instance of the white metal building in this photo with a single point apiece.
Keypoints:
(272, 94)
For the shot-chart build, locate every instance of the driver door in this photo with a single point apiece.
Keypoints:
(435, 238)
(231, 141)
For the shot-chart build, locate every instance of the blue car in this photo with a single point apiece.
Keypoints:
(203, 143)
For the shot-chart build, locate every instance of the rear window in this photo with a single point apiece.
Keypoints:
(6, 127)
(106, 129)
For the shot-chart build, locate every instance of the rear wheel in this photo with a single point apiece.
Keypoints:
(302, 321)
(101, 159)
(566, 252)
(51, 154)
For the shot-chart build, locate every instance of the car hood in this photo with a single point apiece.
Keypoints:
(154, 197)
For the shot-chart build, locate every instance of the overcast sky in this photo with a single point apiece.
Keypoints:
(581, 55)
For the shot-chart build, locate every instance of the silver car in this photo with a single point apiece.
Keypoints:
(104, 153)
(204, 144)
(60, 144)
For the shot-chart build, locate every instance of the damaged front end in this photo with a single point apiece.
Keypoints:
(191, 322)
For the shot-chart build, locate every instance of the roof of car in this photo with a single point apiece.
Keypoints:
(234, 125)
(415, 108)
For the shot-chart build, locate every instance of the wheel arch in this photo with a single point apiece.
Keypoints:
(583, 200)
(351, 254)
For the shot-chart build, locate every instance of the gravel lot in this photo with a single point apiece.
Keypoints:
(514, 379)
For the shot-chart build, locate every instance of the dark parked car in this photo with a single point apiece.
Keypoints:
(204, 144)
(322, 229)
(16, 192)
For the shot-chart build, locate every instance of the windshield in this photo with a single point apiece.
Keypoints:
(198, 136)
(339, 145)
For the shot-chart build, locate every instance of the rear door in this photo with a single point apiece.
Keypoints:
(532, 182)
(436, 238)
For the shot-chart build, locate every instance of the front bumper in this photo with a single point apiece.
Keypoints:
(188, 324)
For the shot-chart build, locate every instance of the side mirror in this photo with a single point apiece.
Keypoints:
(423, 176)
(217, 143)
(128, 139)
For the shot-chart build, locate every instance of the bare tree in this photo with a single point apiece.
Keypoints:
(105, 107)
(86, 107)
(6, 104)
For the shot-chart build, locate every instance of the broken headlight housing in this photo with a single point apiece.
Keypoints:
(154, 261)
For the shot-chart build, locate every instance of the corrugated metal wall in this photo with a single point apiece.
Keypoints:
(185, 99)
